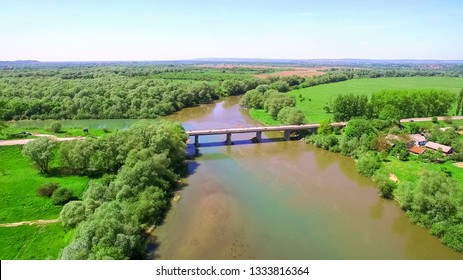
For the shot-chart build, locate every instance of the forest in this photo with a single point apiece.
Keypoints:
(107, 91)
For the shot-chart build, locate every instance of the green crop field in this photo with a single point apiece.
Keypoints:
(316, 97)
(311, 100)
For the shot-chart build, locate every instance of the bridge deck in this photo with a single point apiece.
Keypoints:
(257, 129)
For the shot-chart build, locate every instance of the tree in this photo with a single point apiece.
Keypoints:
(325, 128)
(368, 163)
(349, 106)
(390, 113)
(386, 186)
(359, 127)
(459, 103)
(400, 151)
(40, 151)
(62, 196)
(72, 214)
(291, 115)
(56, 127)
(277, 101)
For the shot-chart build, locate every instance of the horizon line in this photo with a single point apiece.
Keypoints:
(236, 59)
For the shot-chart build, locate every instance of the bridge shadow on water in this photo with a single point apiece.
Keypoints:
(237, 143)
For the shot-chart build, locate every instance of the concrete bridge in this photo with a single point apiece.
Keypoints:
(286, 129)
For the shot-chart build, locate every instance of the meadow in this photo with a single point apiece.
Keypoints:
(312, 100)
(20, 202)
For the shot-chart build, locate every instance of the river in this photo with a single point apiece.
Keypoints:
(280, 200)
(276, 200)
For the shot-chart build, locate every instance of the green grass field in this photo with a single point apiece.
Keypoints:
(14, 132)
(314, 98)
(20, 202)
(19, 182)
(410, 171)
(33, 242)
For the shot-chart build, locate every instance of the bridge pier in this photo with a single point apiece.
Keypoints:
(196, 140)
(228, 141)
(287, 133)
(259, 136)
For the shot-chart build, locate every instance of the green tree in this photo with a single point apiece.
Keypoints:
(40, 151)
(459, 103)
(346, 107)
(390, 113)
(325, 128)
(72, 214)
(359, 127)
(368, 163)
(386, 186)
(56, 127)
(61, 196)
(277, 101)
(291, 115)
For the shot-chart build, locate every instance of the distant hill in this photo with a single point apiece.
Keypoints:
(352, 62)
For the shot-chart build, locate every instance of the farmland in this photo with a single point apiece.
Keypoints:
(311, 100)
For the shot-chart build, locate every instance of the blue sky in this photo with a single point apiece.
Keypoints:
(89, 30)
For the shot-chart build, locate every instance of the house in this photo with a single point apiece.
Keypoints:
(436, 146)
(416, 150)
(418, 139)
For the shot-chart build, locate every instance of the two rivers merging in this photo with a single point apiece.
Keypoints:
(279, 200)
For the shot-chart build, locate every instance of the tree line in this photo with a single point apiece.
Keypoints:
(141, 167)
(393, 104)
(277, 104)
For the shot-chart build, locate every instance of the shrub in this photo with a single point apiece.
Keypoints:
(434, 119)
(386, 186)
(72, 214)
(368, 163)
(47, 189)
(62, 196)
(56, 127)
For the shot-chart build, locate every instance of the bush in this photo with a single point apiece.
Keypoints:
(56, 127)
(386, 186)
(368, 164)
(434, 119)
(72, 214)
(47, 189)
(62, 196)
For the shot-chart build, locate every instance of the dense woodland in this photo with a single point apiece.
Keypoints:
(97, 91)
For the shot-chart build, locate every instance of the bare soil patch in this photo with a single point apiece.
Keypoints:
(394, 178)
(459, 164)
(299, 71)
(30, 223)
